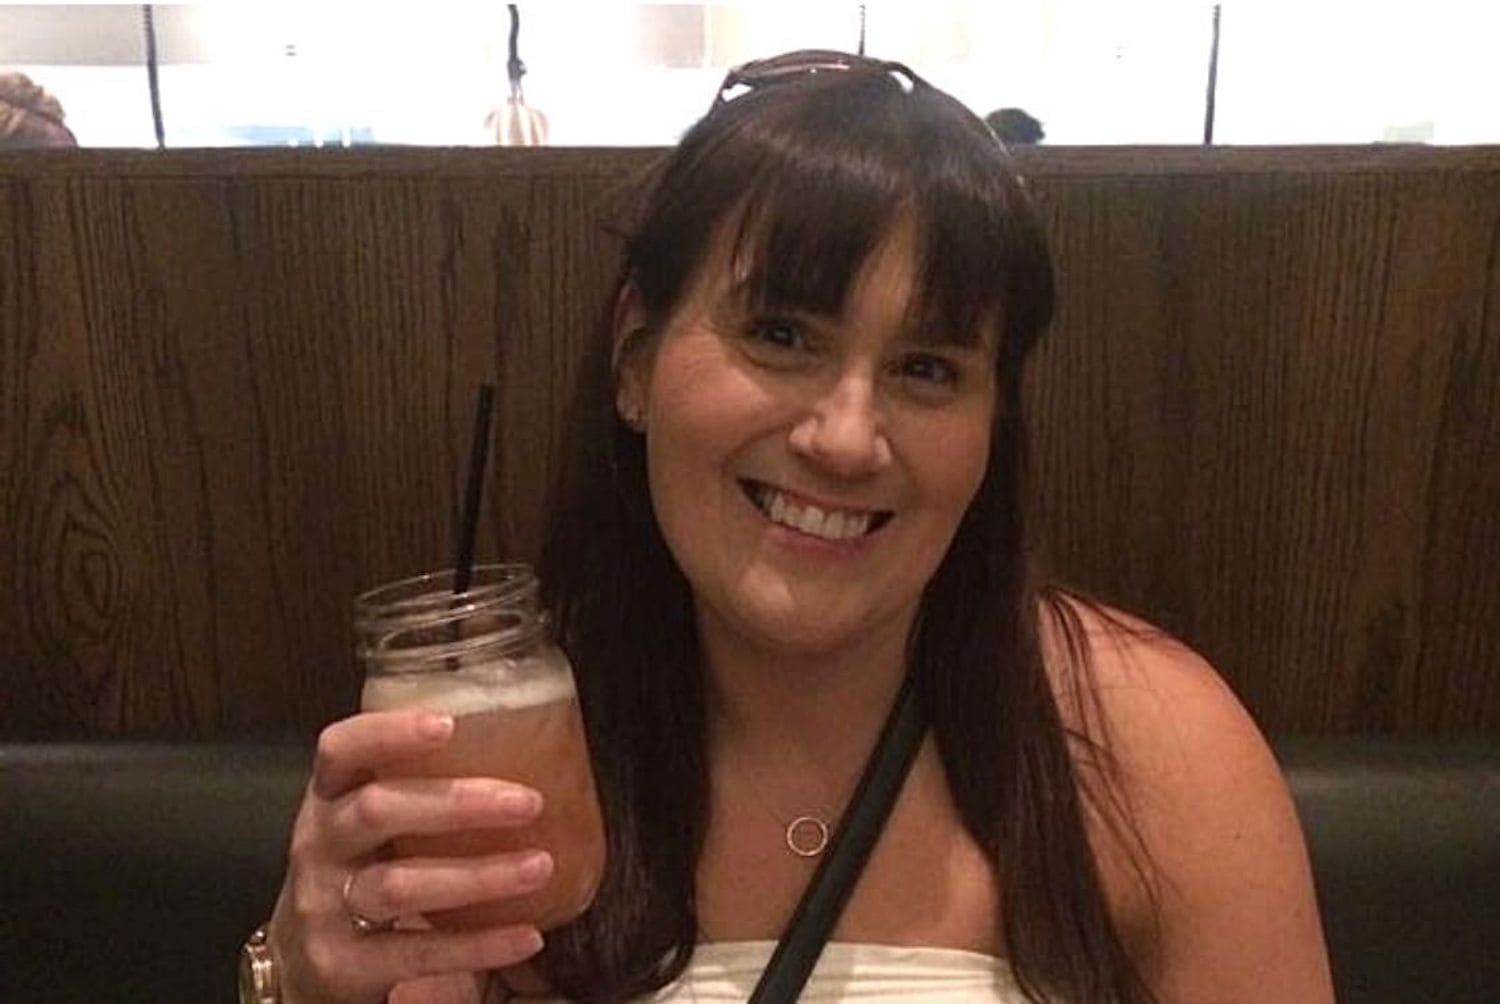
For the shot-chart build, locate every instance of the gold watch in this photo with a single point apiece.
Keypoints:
(258, 971)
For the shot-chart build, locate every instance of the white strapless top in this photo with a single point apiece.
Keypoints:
(728, 971)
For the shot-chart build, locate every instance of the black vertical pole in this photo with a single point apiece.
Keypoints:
(1213, 82)
(153, 84)
(514, 68)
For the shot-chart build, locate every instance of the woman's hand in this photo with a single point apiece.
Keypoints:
(337, 872)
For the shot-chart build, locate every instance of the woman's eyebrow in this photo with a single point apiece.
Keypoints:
(930, 336)
(747, 298)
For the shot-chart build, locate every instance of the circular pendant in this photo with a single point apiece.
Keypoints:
(806, 836)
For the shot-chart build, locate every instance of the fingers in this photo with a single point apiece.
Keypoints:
(374, 813)
(351, 750)
(409, 886)
(343, 832)
(428, 953)
(365, 967)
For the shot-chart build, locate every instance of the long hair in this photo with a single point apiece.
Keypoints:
(812, 173)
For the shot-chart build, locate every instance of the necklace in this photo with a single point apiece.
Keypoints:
(806, 835)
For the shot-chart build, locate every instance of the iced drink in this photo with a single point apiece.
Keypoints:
(516, 716)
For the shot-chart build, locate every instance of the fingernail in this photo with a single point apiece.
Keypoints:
(537, 866)
(530, 942)
(522, 802)
(435, 726)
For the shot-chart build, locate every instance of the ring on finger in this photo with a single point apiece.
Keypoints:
(357, 920)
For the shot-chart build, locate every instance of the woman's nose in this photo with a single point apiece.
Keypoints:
(844, 432)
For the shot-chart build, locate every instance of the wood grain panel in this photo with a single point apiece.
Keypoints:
(236, 389)
(241, 394)
(1250, 420)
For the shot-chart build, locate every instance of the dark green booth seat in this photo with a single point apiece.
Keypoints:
(133, 871)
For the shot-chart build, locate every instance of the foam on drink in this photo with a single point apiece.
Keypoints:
(501, 683)
(518, 720)
(482, 655)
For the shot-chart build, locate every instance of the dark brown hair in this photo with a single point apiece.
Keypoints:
(813, 171)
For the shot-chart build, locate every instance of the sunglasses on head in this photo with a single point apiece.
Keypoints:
(759, 73)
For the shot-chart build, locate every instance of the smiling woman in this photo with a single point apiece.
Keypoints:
(796, 472)
(789, 533)
(807, 435)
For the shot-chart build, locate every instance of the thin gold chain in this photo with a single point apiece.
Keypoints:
(806, 834)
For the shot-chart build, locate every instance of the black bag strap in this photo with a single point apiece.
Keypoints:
(823, 901)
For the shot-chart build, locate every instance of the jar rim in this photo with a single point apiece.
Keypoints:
(491, 585)
(394, 621)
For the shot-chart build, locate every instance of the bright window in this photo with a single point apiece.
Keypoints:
(1290, 71)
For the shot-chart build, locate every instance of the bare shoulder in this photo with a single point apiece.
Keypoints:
(1159, 705)
(1235, 917)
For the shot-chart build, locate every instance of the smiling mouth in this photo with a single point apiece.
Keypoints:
(815, 521)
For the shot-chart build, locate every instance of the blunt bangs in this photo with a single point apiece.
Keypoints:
(809, 177)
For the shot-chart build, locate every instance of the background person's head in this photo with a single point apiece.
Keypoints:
(1015, 127)
(30, 118)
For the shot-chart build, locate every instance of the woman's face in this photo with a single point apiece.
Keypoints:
(808, 472)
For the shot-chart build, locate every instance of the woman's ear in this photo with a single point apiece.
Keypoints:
(630, 363)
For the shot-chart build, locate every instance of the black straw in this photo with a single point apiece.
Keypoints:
(479, 453)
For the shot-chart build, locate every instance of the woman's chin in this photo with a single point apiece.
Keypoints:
(804, 624)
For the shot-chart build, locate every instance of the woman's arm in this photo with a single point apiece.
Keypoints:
(1238, 917)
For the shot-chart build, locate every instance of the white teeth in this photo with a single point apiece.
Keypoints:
(811, 519)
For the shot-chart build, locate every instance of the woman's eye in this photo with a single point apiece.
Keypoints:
(929, 369)
(778, 332)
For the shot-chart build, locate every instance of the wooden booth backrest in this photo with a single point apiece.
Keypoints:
(236, 389)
